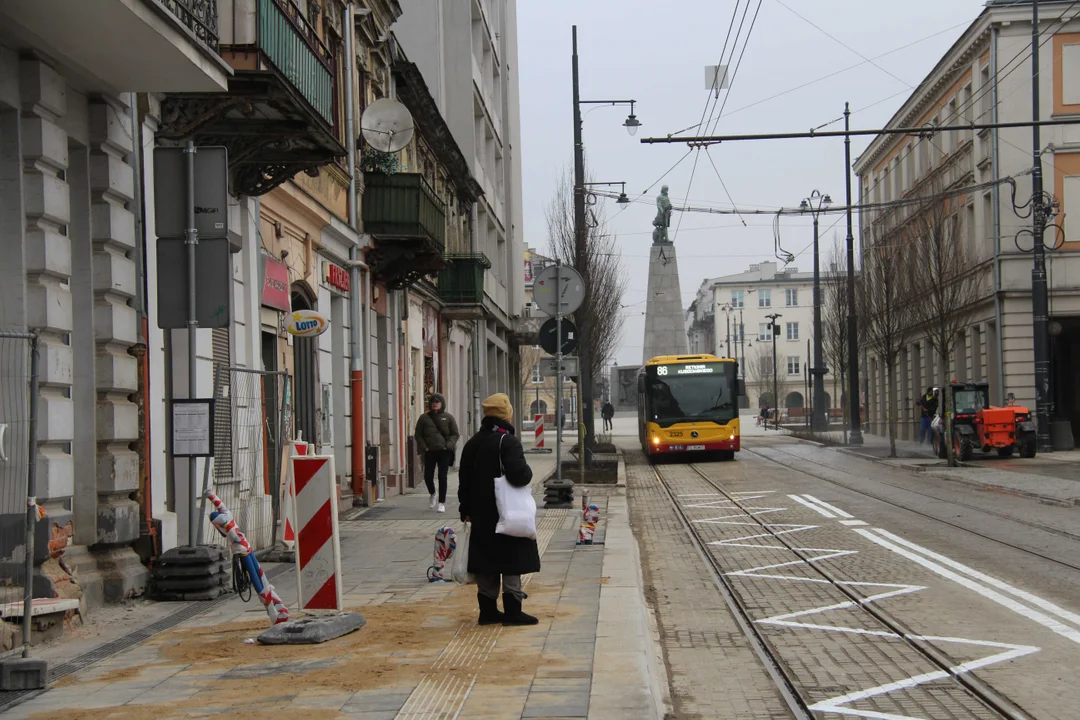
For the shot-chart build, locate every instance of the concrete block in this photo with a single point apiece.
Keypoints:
(55, 474)
(48, 253)
(55, 364)
(47, 197)
(110, 124)
(310, 630)
(118, 524)
(23, 674)
(110, 174)
(116, 372)
(56, 418)
(42, 87)
(117, 471)
(114, 322)
(112, 224)
(113, 272)
(45, 143)
(48, 305)
(117, 420)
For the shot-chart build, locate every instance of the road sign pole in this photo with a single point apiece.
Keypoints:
(191, 240)
(558, 372)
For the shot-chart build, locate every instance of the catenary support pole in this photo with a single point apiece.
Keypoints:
(1040, 304)
(191, 240)
(819, 419)
(581, 264)
(855, 433)
(558, 371)
(31, 498)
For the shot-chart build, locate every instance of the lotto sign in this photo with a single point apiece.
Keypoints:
(307, 323)
(318, 548)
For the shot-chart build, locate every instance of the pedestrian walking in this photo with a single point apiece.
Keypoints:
(607, 412)
(494, 451)
(436, 440)
(928, 408)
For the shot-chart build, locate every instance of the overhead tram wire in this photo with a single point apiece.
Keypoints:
(735, 74)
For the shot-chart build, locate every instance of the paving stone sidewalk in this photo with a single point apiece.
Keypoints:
(421, 654)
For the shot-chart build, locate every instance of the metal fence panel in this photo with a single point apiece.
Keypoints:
(248, 468)
(17, 435)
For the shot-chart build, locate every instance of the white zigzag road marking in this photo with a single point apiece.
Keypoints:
(839, 705)
(759, 511)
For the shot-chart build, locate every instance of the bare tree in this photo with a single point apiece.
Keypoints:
(605, 278)
(945, 285)
(530, 358)
(835, 322)
(884, 307)
(759, 369)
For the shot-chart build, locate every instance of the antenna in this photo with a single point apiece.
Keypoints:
(387, 125)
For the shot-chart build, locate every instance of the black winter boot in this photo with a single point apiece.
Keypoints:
(489, 610)
(514, 615)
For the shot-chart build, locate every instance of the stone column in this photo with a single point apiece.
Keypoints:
(115, 320)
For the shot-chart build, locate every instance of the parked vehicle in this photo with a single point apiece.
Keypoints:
(978, 425)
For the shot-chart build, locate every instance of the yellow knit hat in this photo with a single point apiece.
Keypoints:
(498, 405)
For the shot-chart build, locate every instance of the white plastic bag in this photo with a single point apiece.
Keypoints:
(460, 568)
(517, 508)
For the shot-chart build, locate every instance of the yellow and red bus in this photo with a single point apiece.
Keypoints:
(689, 404)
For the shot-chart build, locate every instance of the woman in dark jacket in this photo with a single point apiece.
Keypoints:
(491, 452)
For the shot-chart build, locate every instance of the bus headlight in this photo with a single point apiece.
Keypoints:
(655, 440)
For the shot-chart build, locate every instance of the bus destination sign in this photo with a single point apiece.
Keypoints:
(663, 370)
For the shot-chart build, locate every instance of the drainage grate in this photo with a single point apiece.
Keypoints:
(12, 698)
(375, 513)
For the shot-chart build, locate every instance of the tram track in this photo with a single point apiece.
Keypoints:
(774, 663)
(936, 518)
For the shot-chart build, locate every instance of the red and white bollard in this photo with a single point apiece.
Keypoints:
(538, 422)
(590, 516)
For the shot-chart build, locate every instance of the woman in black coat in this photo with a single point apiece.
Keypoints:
(491, 452)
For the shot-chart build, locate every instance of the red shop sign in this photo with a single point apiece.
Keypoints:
(275, 292)
(337, 277)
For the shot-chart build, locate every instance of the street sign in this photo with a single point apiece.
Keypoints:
(571, 288)
(213, 276)
(211, 192)
(548, 368)
(569, 336)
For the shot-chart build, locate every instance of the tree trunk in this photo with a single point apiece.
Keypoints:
(946, 411)
(889, 371)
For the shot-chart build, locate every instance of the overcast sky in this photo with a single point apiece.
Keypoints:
(656, 54)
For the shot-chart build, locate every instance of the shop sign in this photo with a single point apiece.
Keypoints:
(275, 292)
(307, 323)
(336, 277)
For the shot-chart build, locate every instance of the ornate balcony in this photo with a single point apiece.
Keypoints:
(408, 223)
(461, 285)
(279, 117)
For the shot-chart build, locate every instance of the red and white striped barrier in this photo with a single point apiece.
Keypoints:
(288, 511)
(538, 422)
(318, 549)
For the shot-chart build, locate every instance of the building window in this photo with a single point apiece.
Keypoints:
(791, 297)
(764, 298)
(738, 332)
(793, 365)
(793, 331)
(763, 332)
(536, 377)
(737, 298)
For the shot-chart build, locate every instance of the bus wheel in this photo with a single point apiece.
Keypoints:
(727, 455)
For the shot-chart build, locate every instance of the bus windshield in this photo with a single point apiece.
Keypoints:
(703, 392)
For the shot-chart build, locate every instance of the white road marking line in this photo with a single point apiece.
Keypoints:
(827, 506)
(763, 511)
(812, 506)
(853, 523)
(989, 580)
(1034, 615)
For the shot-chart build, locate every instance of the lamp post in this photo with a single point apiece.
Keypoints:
(775, 329)
(855, 421)
(814, 205)
(622, 199)
(586, 434)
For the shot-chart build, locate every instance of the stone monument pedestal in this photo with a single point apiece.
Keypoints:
(665, 326)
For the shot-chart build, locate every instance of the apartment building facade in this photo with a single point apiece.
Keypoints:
(985, 77)
(728, 318)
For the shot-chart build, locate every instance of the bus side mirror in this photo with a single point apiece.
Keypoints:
(641, 383)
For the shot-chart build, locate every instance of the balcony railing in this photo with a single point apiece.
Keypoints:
(198, 16)
(403, 205)
(462, 281)
(291, 44)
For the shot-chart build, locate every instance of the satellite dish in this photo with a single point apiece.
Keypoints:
(387, 125)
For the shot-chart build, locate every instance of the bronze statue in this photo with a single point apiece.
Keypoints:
(663, 217)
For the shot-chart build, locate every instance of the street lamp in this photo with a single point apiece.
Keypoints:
(815, 204)
(775, 329)
(622, 199)
(586, 436)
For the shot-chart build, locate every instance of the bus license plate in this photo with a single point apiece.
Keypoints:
(695, 447)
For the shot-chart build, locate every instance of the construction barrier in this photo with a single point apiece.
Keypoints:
(318, 547)
(590, 516)
(445, 544)
(538, 421)
(222, 520)
(288, 509)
